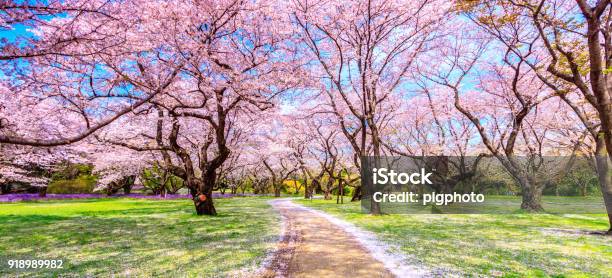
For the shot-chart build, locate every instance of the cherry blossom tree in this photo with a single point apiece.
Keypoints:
(33, 166)
(568, 53)
(506, 106)
(297, 138)
(230, 93)
(429, 125)
(361, 53)
(232, 73)
(280, 169)
(73, 60)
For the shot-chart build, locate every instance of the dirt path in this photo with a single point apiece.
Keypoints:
(312, 246)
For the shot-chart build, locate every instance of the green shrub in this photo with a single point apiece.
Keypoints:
(70, 171)
(152, 181)
(82, 184)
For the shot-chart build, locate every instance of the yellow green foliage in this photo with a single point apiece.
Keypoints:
(79, 185)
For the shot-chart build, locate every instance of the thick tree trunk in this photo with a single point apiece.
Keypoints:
(601, 84)
(606, 124)
(205, 207)
(532, 196)
(531, 191)
(307, 192)
(604, 177)
(203, 197)
(532, 202)
(328, 188)
(277, 191)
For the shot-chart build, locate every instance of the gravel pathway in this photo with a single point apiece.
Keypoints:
(313, 246)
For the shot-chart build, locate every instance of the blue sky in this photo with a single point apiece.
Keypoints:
(19, 30)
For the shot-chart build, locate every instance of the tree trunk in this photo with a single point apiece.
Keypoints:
(277, 191)
(204, 205)
(163, 192)
(532, 196)
(340, 191)
(356, 194)
(604, 177)
(327, 194)
(317, 188)
(295, 184)
(531, 202)
(109, 188)
(447, 187)
(42, 192)
(601, 84)
(374, 206)
(314, 186)
(5, 188)
(307, 191)
(531, 191)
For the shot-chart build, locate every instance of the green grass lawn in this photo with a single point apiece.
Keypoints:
(501, 205)
(506, 245)
(135, 237)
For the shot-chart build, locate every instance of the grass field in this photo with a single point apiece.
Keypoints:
(498, 205)
(133, 237)
(507, 245)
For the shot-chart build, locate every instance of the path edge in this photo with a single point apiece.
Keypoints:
(272, 253)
